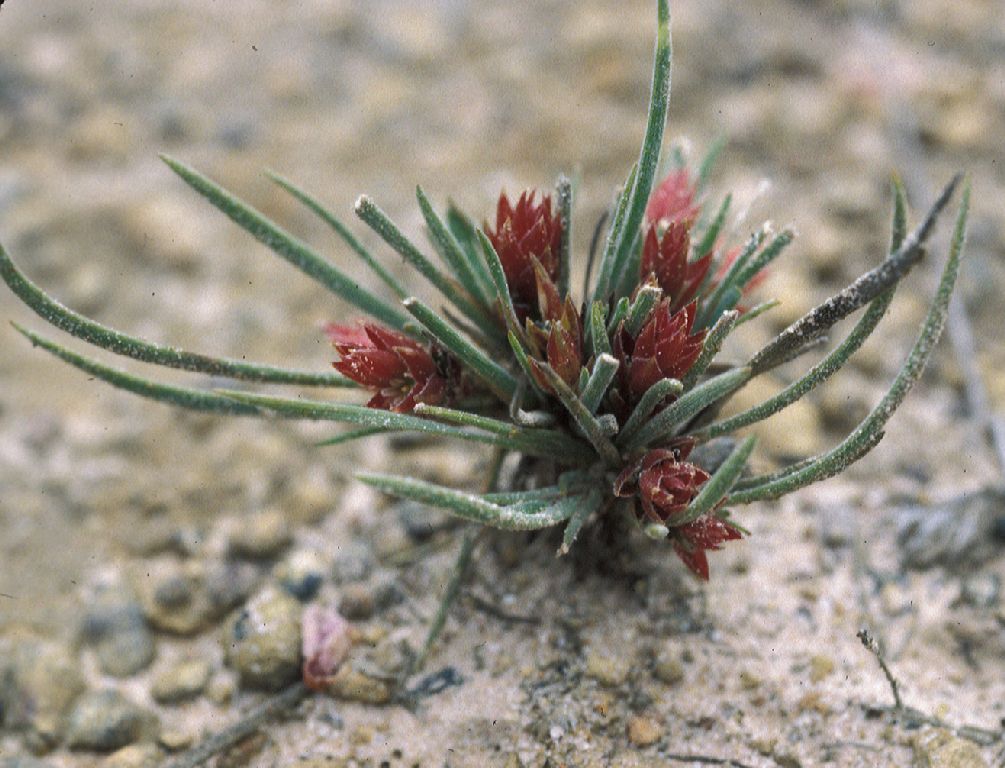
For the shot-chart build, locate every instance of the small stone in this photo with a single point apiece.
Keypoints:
(115, 626)
(103, 721)
(821, 667)
(357, 602)
(228, 584)
(173, 597)
(421, 522)
(607, 669)
(301, 574)
(176, 739)
(134, 756)
(221, 691)
(182, 681)
(260, 536)
(643, 731)
(941, 749)
(749, 681)
(262, 642)
(353, 562)
(39, 681)
(957, 534)
(353, 685)
(981, 590)
(668, 667)
(393, 656)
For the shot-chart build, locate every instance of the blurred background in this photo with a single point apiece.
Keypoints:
(821, 102)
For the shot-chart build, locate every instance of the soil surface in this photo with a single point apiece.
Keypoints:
(141, 547)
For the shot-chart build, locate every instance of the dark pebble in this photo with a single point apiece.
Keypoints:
(103, 721)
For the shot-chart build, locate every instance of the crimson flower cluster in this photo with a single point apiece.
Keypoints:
(403, 371)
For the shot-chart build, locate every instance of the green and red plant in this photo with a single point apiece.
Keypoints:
(606, 393)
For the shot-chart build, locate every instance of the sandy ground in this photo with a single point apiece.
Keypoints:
(561, 663)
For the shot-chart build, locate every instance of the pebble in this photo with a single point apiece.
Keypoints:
(260, 536)
(40, 683)
(180, 682)
(421, 522)
(956, 534)
(643, 731)
(353, 562)
(103, 721)
(115, 626)
(176, 739)
(356, 602)
(940, 749)
(301, 574)
(668, 666)
(981, 590)
(262, 641)
(134, 756)
(607, 669)
(352, 685)
(821, 667)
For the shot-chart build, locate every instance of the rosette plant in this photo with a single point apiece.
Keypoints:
(607, 393)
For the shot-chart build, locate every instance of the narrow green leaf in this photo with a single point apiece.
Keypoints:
(646, 298)
(551, 444)
(495, 376)
(286, 246)
(719, 484)
(467, 506)
(867, 433)
(183, 397)
(348, 437)
(661, 426)
(564, 193)
(757, 311)
(619, 314)
(653, 396)
(600, 342)
(710, 303)
(862, 291)
(522, 360)
(465, 232)
(379, 222)
(586, 421)
(342, 231)
(771, 252)
(831, 364)
(711, 234)
(605, 271)
(451, 252)
(708, 163)
(653, 141)
(600, 379)
(498, 276)
(102, 336)
(713, 343)
(583, 507)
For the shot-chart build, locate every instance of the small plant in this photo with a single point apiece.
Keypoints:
(606, 393)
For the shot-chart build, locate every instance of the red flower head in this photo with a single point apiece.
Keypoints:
(664, 349)
(401, 370)
(666, 259)
(693, 539)
(558, 337)
(672, 200)
(663, 481)
(521, 234)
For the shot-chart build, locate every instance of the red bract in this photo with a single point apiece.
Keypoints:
(663, 481)
(522, 233)
(664, 349)
(673, 200)
(693, 539)
(401, 370)
(666, 259)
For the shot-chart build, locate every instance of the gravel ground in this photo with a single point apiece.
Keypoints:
(153, 565)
